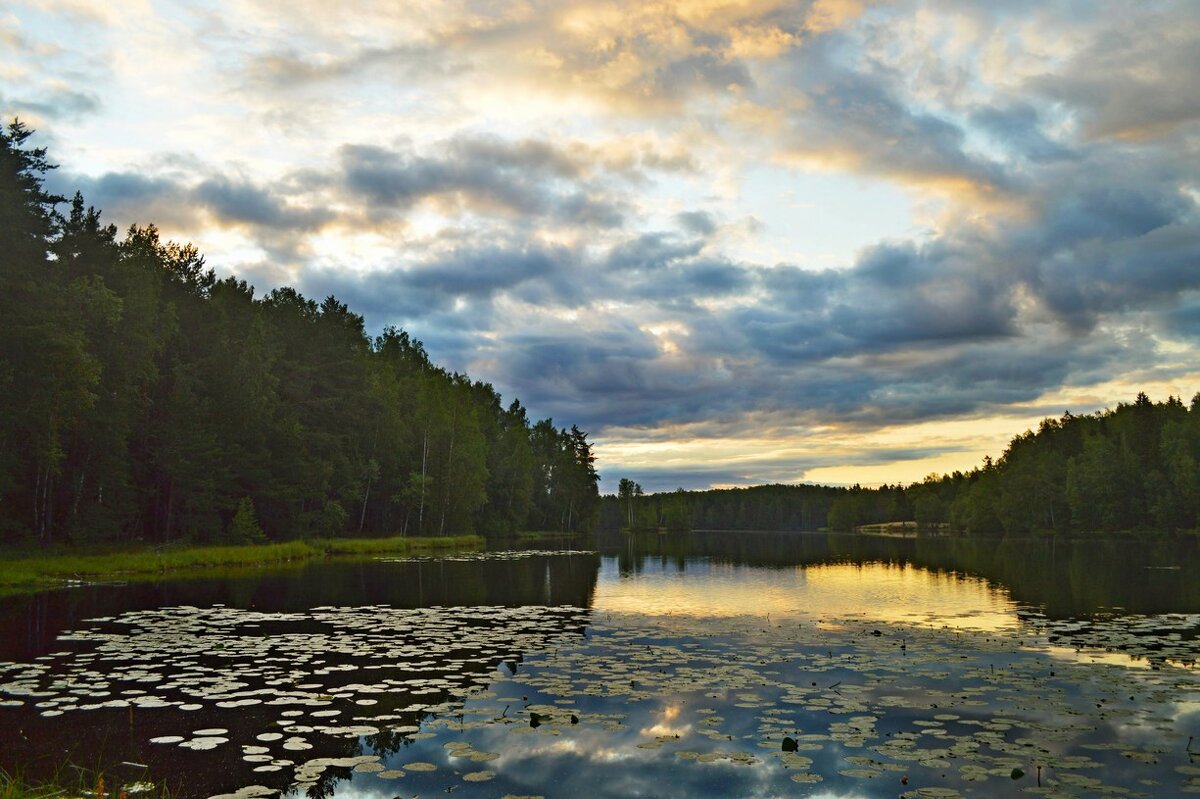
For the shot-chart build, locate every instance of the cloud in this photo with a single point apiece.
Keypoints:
(488, 175)
(44, 79)
(294, 70)
(768, 468)
(847, 114)
(1133, 80)
(701, 223)
(1017, 127)
(131, 197)
(169, 199)
(1184, 321)
(52, 103)
(546, 193)
(241, 202)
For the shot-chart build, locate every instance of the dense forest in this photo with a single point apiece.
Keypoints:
(766, 507)
(1129, 468)
(1126, 469)
(143, 398)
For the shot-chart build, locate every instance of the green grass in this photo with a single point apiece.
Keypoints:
(26, 572)
(397, 545)
(12, 786)
(546, 535)
(71, 782)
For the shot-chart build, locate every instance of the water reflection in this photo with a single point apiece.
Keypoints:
(1062, 579)
(686, 706)
(674, 666)
(29, 625)
(876, 591)
(354, 661)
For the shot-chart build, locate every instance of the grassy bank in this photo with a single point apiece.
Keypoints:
(72, 781)
(547, 535)
(29, 571)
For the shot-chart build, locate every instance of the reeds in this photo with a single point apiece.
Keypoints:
(23, 572)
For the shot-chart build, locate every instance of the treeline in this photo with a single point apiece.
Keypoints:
(143, 398)
(1133, 468)
(1126, 469)
(767, 507)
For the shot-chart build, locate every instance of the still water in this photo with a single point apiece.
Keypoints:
(727, 665)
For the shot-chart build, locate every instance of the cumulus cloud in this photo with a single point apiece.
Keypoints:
(1133, 79)
(239, 201)
(543, 192)
(529, 178)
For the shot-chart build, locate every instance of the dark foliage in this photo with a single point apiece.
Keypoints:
(768, 507)
(143, 398)
(1128, 469)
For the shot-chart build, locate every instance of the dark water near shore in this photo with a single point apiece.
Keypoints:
(653, 666)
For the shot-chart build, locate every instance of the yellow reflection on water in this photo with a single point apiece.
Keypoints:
(874, 592)
(667, 724)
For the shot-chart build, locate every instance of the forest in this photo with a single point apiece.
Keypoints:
(1128, 469)
(765, 507)
(144, 399)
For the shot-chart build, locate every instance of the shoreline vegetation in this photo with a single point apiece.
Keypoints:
(70, 780)
(1133, 470)
(27, 571)
(144, 398)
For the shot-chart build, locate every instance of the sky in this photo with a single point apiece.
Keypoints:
(829, 241)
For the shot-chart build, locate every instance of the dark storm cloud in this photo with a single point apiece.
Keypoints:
(713, 278)
(649, 252)
(912, 331)
(522, 184)
(1146, 272)
(240, 201)
(597, 375)
(1115, 232)
(985, 376)
(168, 199)
(130, 197)
(120, 189)
(898, 295)
(486, 271)
(454, 291)
(1184, 321)
(525, 178)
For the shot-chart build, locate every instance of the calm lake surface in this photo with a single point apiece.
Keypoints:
(708, 664)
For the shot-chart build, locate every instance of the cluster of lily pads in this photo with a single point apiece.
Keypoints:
(932, 712)
(493, 701)
(497, 555)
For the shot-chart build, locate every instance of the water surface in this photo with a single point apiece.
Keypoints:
(653, 666)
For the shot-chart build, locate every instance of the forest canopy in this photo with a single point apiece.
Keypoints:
(143, 398)
(1132, 468)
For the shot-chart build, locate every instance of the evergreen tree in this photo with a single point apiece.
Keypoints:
(140, 396)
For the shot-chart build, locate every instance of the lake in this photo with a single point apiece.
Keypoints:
(705, 664)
